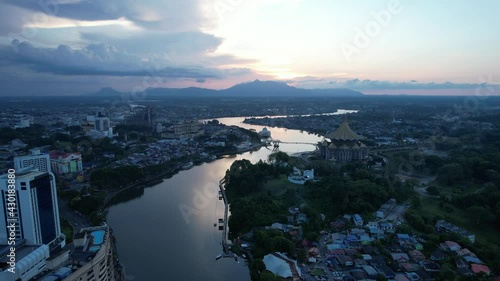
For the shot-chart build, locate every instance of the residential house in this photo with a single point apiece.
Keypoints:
(358, 220)
(450, 246)
(409, 267)
(359, 263)
(412, 276)
(338, 238)
(372, 225)
(416, 255)
(424, 276)
(370, 271)
(400, 257)
(359, 274)
(461, 263)
(302, 218)
(403, 236)
(430, 266)
(438, 255)
(465, 252)
(344, 260)
(471, 259)
(386, 271)
(401, 277)
(387, 226)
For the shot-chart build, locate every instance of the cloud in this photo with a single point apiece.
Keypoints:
(367, 84)
(151, 14)
(100, 59)
(158, 42)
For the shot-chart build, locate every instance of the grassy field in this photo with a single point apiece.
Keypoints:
(278, 186)
(457, 190)
(483, 231)
(317, 272)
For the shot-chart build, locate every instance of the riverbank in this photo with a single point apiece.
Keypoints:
(158, 178)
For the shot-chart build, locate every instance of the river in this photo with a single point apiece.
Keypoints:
(168, 233)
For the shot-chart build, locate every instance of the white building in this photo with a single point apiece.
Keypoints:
(297, 178)
(36, 213)
(35, 159)
(30, 261)
(281, 266)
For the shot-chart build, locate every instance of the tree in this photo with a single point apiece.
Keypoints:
(432, 190)
(416, 203)
(279, 157)
(479, 214)
(268, 276)
(302, 256)
(451, 173)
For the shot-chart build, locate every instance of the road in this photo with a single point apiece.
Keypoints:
(76, 220)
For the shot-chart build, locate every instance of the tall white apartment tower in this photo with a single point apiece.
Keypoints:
(37, 211)
(35, 159)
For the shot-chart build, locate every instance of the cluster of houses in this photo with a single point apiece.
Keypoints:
(163, 150)
(445, 226)
(350, 254)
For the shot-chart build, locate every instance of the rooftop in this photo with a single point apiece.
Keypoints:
(344, 132)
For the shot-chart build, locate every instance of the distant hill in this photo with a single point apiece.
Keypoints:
(275, 88)
(107, 92)
(255, 88)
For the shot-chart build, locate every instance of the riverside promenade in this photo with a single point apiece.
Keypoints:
(225, 243)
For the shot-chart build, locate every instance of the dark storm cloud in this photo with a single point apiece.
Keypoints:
(94, 59)
(152, 14)
(101, 60)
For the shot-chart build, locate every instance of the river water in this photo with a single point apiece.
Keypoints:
(168, 233)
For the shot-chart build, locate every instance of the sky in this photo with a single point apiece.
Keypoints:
(426, 47)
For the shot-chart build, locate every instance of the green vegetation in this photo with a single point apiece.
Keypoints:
(337, 195)
(67, 230)
(32, 136)
(107, 178)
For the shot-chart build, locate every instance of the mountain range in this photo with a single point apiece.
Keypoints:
(255, 88)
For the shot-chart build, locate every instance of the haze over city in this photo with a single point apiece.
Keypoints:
(71, 47)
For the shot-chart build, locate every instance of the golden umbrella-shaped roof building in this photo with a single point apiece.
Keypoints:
(343, 145)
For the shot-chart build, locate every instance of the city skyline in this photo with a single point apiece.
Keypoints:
(382, 47)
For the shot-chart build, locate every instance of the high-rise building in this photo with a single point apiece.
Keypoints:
(102, 124)
(36, 213)
(93, 256)
(141, 116)
(35, 159)
(188, 130)
(102, 127)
